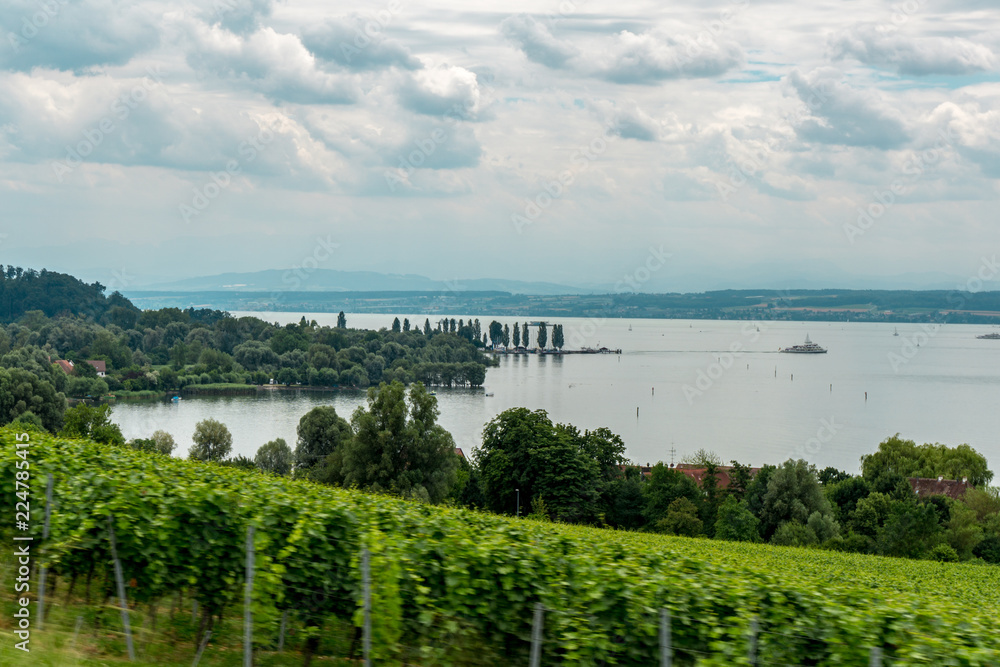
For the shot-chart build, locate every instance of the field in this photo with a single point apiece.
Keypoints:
(449, 586)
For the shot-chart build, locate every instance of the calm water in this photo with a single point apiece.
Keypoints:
(753, 405)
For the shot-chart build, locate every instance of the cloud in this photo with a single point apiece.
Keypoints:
(626, 57)
(272, 63)
(357, 44)
(628, 121)
(537, 43)
(649, 58)
(840, 114)
(912, 56)
(138, 122)
(972, 131)
(237, 16)
(65, 35)
(444, 90)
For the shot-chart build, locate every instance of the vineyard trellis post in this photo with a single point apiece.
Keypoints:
(752, 649)
(875, 657)
(248, 599)
(43, 570)
(665, 639)
(281, 632)
(120, 580)
(201, 648)
(366, 585)
(536, 635)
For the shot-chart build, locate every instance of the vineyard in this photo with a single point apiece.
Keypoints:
(451, 586)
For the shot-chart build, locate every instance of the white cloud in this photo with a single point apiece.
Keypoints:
(911, 55)
(275, 64)
(443, 90)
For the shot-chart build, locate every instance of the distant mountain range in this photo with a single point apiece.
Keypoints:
(329, 280)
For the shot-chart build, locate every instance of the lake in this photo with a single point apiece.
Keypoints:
(682, 385)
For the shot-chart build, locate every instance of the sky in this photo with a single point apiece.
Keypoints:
(688, 145)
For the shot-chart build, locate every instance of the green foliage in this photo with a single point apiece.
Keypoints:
(736, 523)
(398, 446)
(943, 553)
(321, 433)
(48, 293)
(681, 519)
(94, 422)
(793, 494)
(164, 442)
(910, 531)
(794, 534)
(22, 391)
(908, 459)
(212, 441)
(463, 584)
(275, 457)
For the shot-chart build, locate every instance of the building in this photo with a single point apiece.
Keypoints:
(928, 486)
(100, 367)
(698, 473)
(67, 366)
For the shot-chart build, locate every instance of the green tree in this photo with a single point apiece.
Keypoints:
(736, 523)
(681, 519)
(427, 326)
(399, 446)
(703, 458)
(664, 486)
(543, 335)
(910, 531)
(93, 422)
(274, 457)
(524, 335)
(406, 324)
(163, 442)
(505, 457)
(341, 320)
(506, 335)
(396, 327)
(212, 441)
(557, 336)
(496, 333)
(963, 531)
(906, 458)
(321, 434)
(793, 494)
(517, 334)
(22, 392)
(740, 478)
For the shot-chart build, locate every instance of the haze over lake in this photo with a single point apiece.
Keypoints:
(755, 405)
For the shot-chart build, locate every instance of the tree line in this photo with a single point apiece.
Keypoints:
(528, 465)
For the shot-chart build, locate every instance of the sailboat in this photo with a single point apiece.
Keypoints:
(630, 327)
(895, 332)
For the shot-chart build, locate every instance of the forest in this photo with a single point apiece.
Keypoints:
(58, 318)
